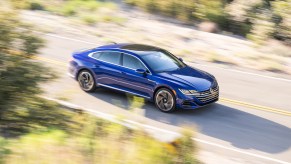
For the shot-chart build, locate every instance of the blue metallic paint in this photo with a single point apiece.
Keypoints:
(127, 80)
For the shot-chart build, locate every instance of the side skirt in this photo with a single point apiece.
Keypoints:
(107, 86)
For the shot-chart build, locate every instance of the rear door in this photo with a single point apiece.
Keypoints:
(107, 65)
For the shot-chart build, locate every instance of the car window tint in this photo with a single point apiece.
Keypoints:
(110, 57)
(132, 62)
(96, 55)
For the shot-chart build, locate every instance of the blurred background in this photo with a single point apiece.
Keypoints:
(261, 26)
(38, 36)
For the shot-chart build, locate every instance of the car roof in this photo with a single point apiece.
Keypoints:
(130, 47)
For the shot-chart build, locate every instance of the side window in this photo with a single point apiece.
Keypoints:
(96, 55)
(132, 62)
(110, 57)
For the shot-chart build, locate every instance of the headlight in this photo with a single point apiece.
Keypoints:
(188, 92)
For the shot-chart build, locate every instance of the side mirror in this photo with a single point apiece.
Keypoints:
(181, 59)
(141, 71)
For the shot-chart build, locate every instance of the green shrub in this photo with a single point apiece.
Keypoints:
(283, 13)
(68, 10)
(262, 29)
(28, 4)
(31, 44)
(211, 10)
(187, 10)
(179, 9)
(89, 19)
(36, 6)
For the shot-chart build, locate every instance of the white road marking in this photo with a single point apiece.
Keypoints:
(240, 151)
(66, 38)
(71, 39)
(232, 70)
(130, 124)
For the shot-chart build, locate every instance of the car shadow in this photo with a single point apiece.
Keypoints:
(241, 129)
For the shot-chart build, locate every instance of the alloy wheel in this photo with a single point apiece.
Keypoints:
(86, 81)
(165, 100)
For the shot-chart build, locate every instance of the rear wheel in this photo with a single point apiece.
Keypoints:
(165, 100)
(86, 81)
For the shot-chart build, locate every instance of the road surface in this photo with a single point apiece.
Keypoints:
(246, 119)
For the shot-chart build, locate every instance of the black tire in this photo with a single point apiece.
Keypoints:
(86, 81)
(165, 100)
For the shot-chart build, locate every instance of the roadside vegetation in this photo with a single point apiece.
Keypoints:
(264, 22)
(258, 20)
(86, 139)
(90, 12)
(35, 130)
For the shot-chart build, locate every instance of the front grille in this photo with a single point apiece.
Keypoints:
(208, 96)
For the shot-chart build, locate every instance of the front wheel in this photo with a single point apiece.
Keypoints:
(86, 81)
(165, 100)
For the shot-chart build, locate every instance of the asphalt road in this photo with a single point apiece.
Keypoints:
(237, 125)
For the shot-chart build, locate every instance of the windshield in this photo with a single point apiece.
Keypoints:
(161, 61)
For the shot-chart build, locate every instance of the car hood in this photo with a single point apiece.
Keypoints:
(191, 77)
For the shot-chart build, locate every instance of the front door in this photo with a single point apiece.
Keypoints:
(133, 81)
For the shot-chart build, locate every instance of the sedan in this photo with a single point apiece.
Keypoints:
(146, 71)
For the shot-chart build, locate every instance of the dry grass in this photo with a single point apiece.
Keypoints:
(214, 57)
(272, 64)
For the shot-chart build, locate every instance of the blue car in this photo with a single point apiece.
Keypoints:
(146, 71)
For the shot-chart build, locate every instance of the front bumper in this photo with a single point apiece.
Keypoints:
(193, 102)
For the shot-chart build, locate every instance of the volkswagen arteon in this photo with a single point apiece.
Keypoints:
(146, 71)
